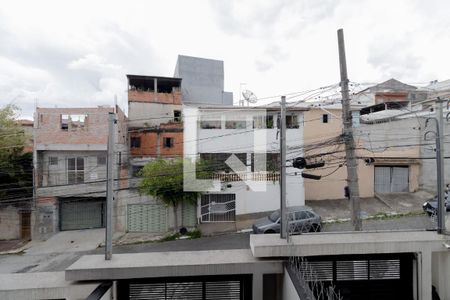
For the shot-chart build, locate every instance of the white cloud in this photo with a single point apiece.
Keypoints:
(77, 53)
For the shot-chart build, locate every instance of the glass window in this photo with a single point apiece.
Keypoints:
(75, 170)
(168, 142)
(53, 161)
(274, 216)
(262, 122)
(325, 118)
(210, 124)
(135, 142)
(291, 121)
(177, 115)
(235, 124)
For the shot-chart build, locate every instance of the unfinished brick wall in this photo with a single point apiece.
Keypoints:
(48, 126)
(151, 97)
(152, 142)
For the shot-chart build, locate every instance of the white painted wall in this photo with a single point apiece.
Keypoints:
(289, 291)
(197, 140)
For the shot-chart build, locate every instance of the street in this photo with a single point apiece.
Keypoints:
(39, 259)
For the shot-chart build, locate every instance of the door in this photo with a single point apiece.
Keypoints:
(147, 218)
(84, 213)
(391, 179)
(25, 225)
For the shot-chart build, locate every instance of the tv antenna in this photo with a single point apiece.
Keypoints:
(250, 97)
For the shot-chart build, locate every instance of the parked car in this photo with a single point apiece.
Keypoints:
(300, 219)
(430, 207)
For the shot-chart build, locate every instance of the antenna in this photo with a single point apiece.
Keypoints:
(249, 96)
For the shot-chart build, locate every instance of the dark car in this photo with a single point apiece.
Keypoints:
(430, 207)
(300, 219)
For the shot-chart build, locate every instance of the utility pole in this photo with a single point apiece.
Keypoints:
(109, 187)
(352, 164)
(441, 210)
(283, 223)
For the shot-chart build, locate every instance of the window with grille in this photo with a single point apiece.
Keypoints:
(135, 142)
(53, 161)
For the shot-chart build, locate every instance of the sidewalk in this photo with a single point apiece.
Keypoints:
(389, 204)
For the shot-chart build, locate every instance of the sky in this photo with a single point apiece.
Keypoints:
(77, 53)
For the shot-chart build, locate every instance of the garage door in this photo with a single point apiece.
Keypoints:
(147, 218)
(76, 213)
(391, 179)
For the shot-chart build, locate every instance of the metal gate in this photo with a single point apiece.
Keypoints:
(377, 276)
(227, 287)
(147, 218)
(218, 208)
(391, 179)
(82, 213)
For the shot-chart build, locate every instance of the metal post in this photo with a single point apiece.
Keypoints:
(441, 210)
(283, 228)
(109, 187)
(352, 164)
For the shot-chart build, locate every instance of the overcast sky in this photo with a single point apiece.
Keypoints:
(76, 53)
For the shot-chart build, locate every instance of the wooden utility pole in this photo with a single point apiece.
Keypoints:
(352, 164)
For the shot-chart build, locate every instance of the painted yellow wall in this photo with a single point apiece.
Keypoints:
(332, 186)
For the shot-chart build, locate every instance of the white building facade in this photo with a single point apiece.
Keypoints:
(249, 184)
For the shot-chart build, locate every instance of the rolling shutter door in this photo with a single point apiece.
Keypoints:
(400, 179)
(147, 218)
(382, 180)
(81, 214)
(189, 215)
(391, 179)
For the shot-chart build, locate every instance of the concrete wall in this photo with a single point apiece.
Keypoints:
(441, 270)
(142, 114)
(392, 143)
(289, 291)
(427, 179)
(9, 223)
(202, 80)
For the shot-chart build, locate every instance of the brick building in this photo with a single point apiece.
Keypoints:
(70, 166)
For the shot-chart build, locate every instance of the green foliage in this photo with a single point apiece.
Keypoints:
(163, 179)
(194, 234)
(15, 167)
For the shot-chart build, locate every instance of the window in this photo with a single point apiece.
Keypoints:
(53, 161)
(75, 170)
(101, 160)
(168, 142)
(235, 124)
(135, 142)
(210, 124)
(135, 170)
(262, 122)
(325, 118)
(291, 121)
(73, 122)
(177, 115)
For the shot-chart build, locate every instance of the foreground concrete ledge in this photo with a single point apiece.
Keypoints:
(168, 264)
(271, 245)
(42, 285)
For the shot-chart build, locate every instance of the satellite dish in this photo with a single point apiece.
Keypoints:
(249, 96)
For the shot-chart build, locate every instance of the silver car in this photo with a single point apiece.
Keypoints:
(300, 219)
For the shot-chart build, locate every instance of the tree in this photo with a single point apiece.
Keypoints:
(16, 168)
(163, 179)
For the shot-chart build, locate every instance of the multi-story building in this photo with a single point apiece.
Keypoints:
(70, 158)
(250, 134)
(156, 130)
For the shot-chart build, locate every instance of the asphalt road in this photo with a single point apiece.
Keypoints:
(48, 261)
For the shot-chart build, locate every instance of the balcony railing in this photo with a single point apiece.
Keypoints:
(244, 176)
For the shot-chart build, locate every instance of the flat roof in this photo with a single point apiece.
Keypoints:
(235, 107)
(148, 77)
(361, 242)
(168, 264)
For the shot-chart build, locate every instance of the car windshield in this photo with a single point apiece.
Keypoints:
(274, 216)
